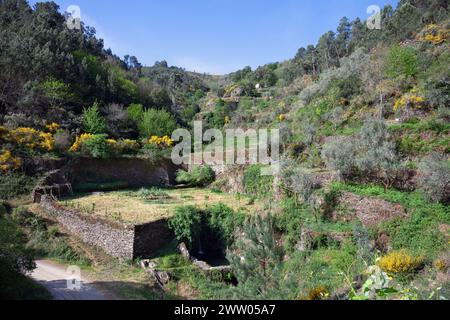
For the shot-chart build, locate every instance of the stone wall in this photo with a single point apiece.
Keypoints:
(120, 240)
(136, 172)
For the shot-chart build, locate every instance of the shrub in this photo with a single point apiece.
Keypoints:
(372, 154)
(438, 92)
(297, 181)
(434, 179)
(402, 61)
(152, 193)
(92, 120)
(156, 123)
(135, 112)
(15, 258)
(31, 139)
(339, 155)
(400, 262)
(186, 224)
(161, 142)
(79, 141)
(224, 222)
(15, 184)
(376, 151)
(97, 146)
(199, 176)
(255, 183)
(8, 162)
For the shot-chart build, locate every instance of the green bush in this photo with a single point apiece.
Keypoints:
(93, 121)
(153, 192)
(97, 147)
(256, 184)
(199, 176)
(156, 123)
(186, 224)
(402, 61)
(16, 260)
(16, 184)
(135, 112)
(224, 222)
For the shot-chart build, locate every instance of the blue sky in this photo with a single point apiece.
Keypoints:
(215, 36)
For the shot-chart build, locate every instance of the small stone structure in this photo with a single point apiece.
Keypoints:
(120, 240)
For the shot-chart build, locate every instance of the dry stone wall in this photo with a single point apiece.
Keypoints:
(123, 241)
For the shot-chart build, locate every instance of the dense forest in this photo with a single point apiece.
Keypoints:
(370, 106)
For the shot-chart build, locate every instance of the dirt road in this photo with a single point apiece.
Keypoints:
(54, 277)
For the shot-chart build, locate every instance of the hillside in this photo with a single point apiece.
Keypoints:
(359, 210)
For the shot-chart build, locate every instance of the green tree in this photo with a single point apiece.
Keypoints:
(256, 260)
(93, 121)
(156, 123)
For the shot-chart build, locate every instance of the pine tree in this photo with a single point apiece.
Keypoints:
(256, 260)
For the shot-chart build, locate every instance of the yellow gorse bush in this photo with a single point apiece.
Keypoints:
(400, 262)
(48, 141)
(32, 139)
(53, 127)
(411, 99)
(8, 162)
(79, 142)
(165, 141)
(434, 34)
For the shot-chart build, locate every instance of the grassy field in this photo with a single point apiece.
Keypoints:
(140, 207)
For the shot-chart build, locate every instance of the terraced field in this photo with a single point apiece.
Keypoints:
(140, 206)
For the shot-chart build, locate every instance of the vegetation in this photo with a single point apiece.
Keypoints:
(363, 116)
(198, 176)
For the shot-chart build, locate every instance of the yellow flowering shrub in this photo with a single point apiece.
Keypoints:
(8, 162)
(76, 147)
(162, 142)
(227, 120)
(32, 139)
(434, 34)
(400, 262)
(53, 127)
(4, 133)
(440, 264)
(47, 141)
(411, 99)
(281, 117)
